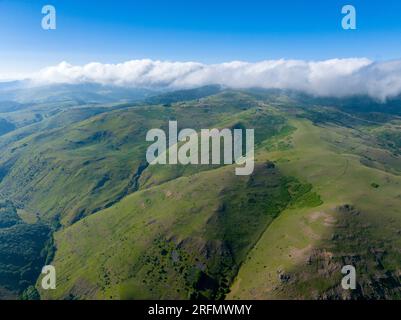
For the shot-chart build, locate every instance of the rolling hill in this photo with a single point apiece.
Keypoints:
(325, 192)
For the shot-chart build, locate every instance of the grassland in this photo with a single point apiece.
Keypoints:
(325, 193)
(301, 253)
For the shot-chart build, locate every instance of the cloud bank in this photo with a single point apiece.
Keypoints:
(335, 77)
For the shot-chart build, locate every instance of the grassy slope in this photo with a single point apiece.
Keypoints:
(148, 247)
(208, 219)
(309, 246)
(66, 173)
(188, 229)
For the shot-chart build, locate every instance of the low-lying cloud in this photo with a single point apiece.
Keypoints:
(335, 77)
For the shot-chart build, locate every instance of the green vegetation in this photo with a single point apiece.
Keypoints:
(325, 192)
(21, 256)
(148, 247)
(301, 254)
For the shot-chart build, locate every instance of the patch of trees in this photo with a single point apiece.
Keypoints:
(21, 249)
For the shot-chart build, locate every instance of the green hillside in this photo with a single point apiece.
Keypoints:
(325, 192)
(22, 253)
(302, 252)
(184, 238)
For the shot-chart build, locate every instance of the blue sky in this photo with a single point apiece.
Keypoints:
(204, 31)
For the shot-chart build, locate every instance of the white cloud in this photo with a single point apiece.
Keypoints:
(336, 77)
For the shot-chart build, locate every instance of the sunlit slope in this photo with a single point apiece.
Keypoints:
(325, 193)
(301, 253)
(65, 173)
(182, 239)
(60, 174)
(186, 230)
